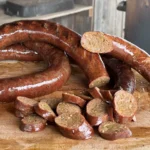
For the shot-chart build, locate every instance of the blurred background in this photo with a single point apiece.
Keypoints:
(128, 19)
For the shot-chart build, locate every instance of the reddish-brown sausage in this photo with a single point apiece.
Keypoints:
(105, 95)
(61, 37)
(74, 125)
(19, 52)
(96, 112)
(32, 123)
(40, 83)
(64, 107)
(120, 49)
(25, 104)
(113, 131)
(74, 99)
(45, 111)
(125, 106)
(122, 73)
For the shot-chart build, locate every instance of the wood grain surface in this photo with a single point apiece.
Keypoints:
(12, 138)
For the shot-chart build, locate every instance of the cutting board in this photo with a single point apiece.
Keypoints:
(11, 138)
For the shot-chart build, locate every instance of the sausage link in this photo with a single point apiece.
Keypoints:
(124, 76)
(122, 73)
(132, 55)
(19, 52)
(59, 36)
(42, 83)
(120, 49)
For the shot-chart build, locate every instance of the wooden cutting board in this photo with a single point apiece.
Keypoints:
(11, 138)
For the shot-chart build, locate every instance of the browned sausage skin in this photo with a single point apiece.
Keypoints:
(19, 52)
(120, 49)
(61, 37)
(124, 76)
(122, 73)
(41, 83)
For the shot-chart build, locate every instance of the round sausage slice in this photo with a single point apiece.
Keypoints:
(95, 92)
(64, 107)
(96, 111)
(44, 110)
(74, 126)
(25, 104)
(112, 131)
(125, 106)
(71, 98)
(22, 114)
(52, 101)
(32, 123)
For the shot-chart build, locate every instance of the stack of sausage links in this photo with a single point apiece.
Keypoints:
(109, 110)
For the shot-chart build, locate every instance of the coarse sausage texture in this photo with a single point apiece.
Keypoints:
(112, 131)
(32, 123)
(61, 37)
(118, 48)
(74, 126)
(125, 106)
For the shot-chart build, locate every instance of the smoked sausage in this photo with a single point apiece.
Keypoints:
(41, 83)
(61, 37)
(120, 49)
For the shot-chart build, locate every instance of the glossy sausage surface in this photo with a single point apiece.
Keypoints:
(41, 83)
(98, 42)
(19, 52)
(61, 37)
(132, 55)
(122, 74)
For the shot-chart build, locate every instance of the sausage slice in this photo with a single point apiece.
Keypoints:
(95, 93)
(25, 104)
(32, 123)
(125, 106)
(52, 101)
(64, 107)
(74, 125)
(118, 48)
(96, 111)
(113, 131)
(44, 110)
(22, 114)
(71, 98)
(96, 42)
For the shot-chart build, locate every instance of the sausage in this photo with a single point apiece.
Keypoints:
(110, 111)
(52, 101)
(59, 36)
(64, 107)
(95, 93)
(113, 131)
(44, 110)
(41, 83)
(74, 125)
(19, 52)
(24, 104)
(96, 112)
(105, 95)
(71, 98)
(125, 106)
(32, 123)
(122, 73)
(22, 114)
(85, 97)
(120, 49)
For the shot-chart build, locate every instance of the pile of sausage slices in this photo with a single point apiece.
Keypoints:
(102, 57)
